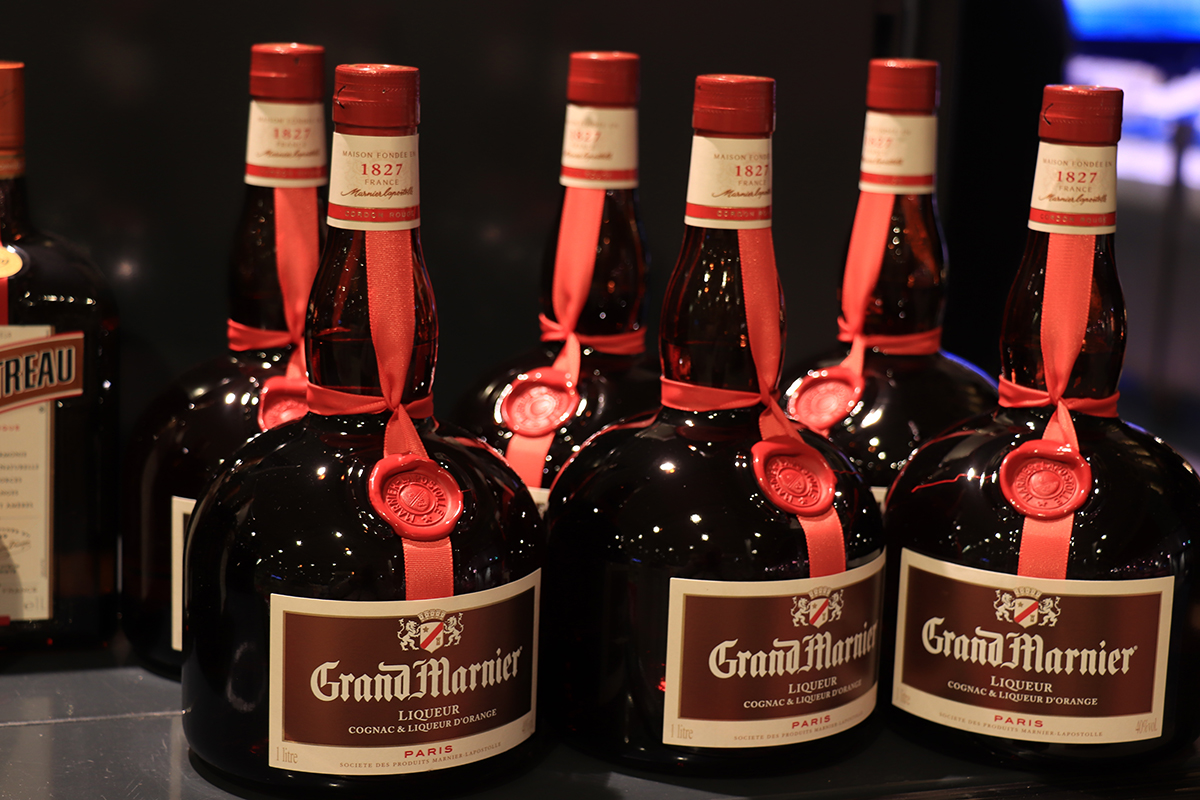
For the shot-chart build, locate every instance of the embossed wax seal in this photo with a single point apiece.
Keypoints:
(794, 477)
(1045, 479)
(825, 398)
(539, 402)
(418, 498)
(282, 400)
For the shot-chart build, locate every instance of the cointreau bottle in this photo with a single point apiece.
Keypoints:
(540, 407)
(362, 583)
(58, 420)
(715, 575)
(207, 414)
(1045, 552)
(890, 387)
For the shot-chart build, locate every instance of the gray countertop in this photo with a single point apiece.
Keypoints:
(95, 726)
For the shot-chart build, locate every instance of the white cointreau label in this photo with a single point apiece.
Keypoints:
(285, 145)
(1074, 189)
(1080, 662)
(381, 688)
(36, 368)
(762, 663)
(899, 154)
(181, 515)
(729, 185)
(374, 184)
(600, 148)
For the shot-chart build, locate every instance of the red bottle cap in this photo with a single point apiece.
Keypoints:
(902, 84)
(608, 77)
(12, 105)
(734, 104)
(377, 96)
(1081, 114)
(287, 71)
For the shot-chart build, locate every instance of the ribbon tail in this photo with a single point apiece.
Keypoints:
(826, 544)
(428, 569)
(1045, 546)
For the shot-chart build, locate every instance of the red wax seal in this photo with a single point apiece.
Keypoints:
(282, 400)
(794, 477)
(418, 498)
(1045, 479)
(825, 398)
(539, 402)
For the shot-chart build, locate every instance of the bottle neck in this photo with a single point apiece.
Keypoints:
(1097, 369)
(14, 210)
(255, 297)
(373, 175)
(899, 155)
(703, 335)
(599, 154)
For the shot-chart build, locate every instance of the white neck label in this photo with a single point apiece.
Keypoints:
(285, 145)
(600, 148)
(374, 184)
(1074, 189)
(899, 154)
(729, 185)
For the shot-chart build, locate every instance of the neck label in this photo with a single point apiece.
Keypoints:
(401, 686)
(600, 148)
(899, 154)
(374, 184)
(763, 663)
(729, 185)
(1033, 659)
(285, 145)
(1074, 189)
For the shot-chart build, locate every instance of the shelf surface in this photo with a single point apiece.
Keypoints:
(96, 725)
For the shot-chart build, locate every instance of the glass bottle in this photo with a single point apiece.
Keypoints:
(202, 418)
(540, 406)
(363, 583)
(1044, 552)
(889, 387)
(58, 420)
(717, 504)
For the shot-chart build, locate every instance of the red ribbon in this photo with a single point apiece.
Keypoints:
(244, 337)
(574, 262)
(1046, 543)
(922, 343)
(760, 287)
(630, 343)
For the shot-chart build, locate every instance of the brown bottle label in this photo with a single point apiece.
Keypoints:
(762, 663)
(40, 369)
(380, 688)
(1029, 658)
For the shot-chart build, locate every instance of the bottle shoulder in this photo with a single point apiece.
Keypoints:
(669, 493)
(58, 278)
(1140, 517)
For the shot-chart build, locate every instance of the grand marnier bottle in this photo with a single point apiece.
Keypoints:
(213, 409)
(362, 583)
(715, 575)
(58, 420)
(540, 407)
(890, 387)
(1046, 552)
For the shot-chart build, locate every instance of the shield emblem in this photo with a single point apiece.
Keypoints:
(431, 635)
(1025, 611)
(818, 611)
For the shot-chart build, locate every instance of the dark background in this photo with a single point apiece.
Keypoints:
(136, 115)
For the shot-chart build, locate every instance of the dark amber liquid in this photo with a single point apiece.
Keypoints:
(1141, 520)
(58, 286)
(189, 430)
(610, 387)
(293, 517)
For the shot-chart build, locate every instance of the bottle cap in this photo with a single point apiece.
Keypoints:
(604, 77)
(734, 104)
(377, 96)
(287, 71)
(1081, 114)
(12, 105)
(902, 84)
